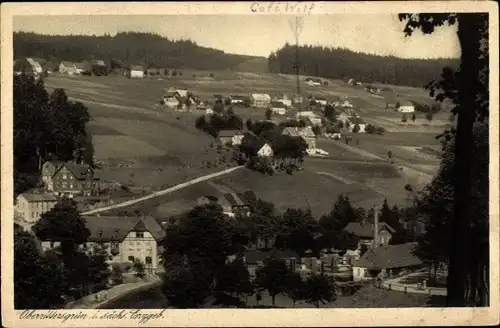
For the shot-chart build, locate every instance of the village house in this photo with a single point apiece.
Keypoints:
(406, 107)
(313, 81)
(238, 99)
(36, 65)
(70, 178)
(367, 235)
(83, 68)
(66, 67)
(232, 137)
(284, 99)
(310, 116)
(22, 65)
(97, 62)
(386, 261)
(320, 100)
(125, 239)
(305, 133)
(265, 150)
(31, 205)
(353, 121)
(136, 71)
(278, 107)
(261, 100)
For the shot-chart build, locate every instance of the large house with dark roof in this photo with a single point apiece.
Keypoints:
(233, 137)
(365, 232)
(385, 261)
(126, 239)
(70, 178)
(29, 206)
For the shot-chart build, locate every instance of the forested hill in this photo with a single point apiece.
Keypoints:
(343, 64)
(132, 48)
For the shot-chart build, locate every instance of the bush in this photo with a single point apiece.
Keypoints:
(404, 119)
(370, 129)
(139, 268)
(380, 130)
(356, 128)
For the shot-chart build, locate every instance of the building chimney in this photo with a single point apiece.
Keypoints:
(375, 227)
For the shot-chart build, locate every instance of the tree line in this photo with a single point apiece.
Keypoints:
(128, 48)
(46, 127)
(344, 64)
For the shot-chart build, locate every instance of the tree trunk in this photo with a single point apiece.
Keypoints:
(273, 299)
(468, 34)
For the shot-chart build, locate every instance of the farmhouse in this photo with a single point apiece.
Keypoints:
(367, 234)
(305, 133)
(356, 121)
(278, 108)
(261, 100)
(406, 107)
(125, 239)
(265, 150)
(284, 100)
(136, 71)
(321, 100)
(36, 65)
(83, 68)
(66, 67)
(313, 81)
(385, 261)
(207, 200)
(237, 99)
(233, 137)
(240, 203)
(70, 178)
(31, 205)
(312, 117)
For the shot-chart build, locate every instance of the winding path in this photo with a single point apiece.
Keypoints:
(163, 192)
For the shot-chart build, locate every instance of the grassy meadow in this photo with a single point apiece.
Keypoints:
(162, 147)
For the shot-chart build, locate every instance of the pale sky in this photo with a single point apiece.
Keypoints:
(260, 35)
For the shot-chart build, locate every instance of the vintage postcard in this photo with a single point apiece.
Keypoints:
(250, 164)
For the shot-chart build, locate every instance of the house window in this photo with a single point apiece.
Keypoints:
(71, 185)
(64, 176)
(84, 245)
(139, 234)
(131, 258)
(64, 184)
(149, 260)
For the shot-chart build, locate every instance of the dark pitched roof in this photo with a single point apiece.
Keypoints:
(67, 63)
(252, 257)
(319, 98)
(228, 133)
(117, 228)
(238, 97)
(78, 170)
(277, 104)
(365, 230)
(389, 257)
(39, 197)
(211, 198)
(291, 132)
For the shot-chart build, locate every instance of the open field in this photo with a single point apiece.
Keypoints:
(165, 149)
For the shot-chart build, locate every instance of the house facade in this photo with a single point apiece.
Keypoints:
(265, 151)
(66, 67)
(406, 107)
(136, 72)
(366, 233)
(69, 178)
(386, 261)
(30, 206)
(233, 137)
(125, 239)
(309, 136)
(353, 121)
(285, 100)
(260, 100)
(238, 99)
(36, 65)
(278, 108)
(83, 68)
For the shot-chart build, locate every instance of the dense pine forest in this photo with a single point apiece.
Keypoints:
(150, 50)
(344, 64)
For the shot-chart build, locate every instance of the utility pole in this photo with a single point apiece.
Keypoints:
(296, 26)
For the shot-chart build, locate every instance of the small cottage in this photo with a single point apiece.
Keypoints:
(232, 137)
(386, 261)
(136, 71)
(278, 107)
(66, 67)
(261, 100)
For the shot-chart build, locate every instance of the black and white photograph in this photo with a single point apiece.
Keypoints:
(248, 156)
